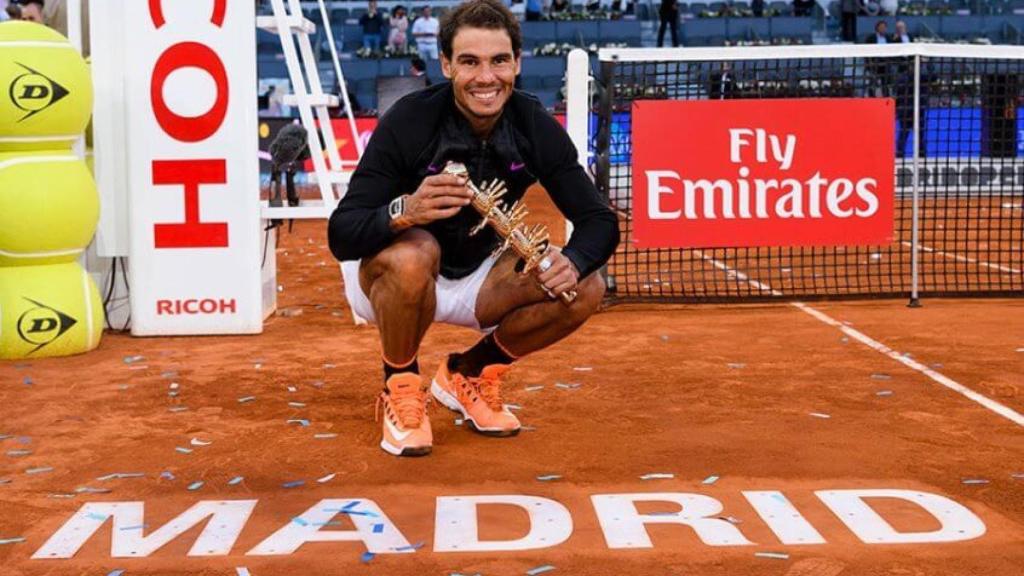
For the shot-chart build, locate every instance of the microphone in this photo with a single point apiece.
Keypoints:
(287, 147)
(289, 143)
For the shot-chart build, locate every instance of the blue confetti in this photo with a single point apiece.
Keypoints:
(351, 505)
(115, 572)
(378, 528)
(195, 485)
(300, 521)
(415, 546)
(95, 516)
(236, 480)
(540, 570)
(293, 484)
(367, 556)
(136, 527)
(27, 381)
(166, 475)
(361, 513)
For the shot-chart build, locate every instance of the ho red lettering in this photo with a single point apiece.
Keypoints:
(156, 13)
(189, 55)
(192, 233)
(189, 173)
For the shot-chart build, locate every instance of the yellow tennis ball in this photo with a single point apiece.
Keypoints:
(45, 88)
(48, 311)
(48, 208)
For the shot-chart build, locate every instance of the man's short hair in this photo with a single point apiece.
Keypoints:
(27, 2)
(490, 14)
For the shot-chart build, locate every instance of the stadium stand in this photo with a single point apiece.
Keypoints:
(720, 23)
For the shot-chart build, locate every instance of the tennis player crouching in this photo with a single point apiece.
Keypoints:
(402, 231)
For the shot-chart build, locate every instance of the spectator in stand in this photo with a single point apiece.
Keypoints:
(263, 100)
(879, 69)
(890, 7)
(880, 36)
(903, 93)
(723, 83)
(11, 12)
(340, 111)
(424, 30)
(669, 15)
(849, 10)
(418, 68)
(372, 24)
(32, 10)
(757, 6)
(901, 36)
(534, 9)
(398, 37)
(802, 7)
(559, 6)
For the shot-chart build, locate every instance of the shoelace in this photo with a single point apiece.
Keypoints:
(490, 391)
(409, 406)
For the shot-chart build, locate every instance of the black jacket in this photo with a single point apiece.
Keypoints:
(423, 131)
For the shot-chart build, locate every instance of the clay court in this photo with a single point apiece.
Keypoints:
(765, 397)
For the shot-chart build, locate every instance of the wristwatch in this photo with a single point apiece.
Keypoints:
(396, 211)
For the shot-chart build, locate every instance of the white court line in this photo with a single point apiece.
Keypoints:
(952, 256)
(877, 346)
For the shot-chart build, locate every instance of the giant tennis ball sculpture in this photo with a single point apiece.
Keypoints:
(45, 89)
(52, 310)
(48, 208)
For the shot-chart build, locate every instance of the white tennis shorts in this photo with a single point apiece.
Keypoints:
(456, 299)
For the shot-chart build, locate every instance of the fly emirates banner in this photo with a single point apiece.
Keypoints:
(807, 172)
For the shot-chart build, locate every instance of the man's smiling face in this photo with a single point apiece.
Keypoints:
(483, 71)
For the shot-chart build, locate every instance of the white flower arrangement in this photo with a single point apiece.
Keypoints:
(556, 49)
(387, 52)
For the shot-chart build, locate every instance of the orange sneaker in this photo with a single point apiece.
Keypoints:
(477, 399)
(406, 425)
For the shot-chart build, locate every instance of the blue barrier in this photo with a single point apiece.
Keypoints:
(948, 133)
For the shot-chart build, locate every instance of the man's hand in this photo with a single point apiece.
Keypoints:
(561, 276)
(438, 197)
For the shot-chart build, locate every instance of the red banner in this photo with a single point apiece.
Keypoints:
(343, 138)
(807, 172)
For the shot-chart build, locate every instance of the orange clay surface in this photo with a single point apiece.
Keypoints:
(690, 390)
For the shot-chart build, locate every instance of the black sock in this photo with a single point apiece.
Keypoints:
(390, 370)
(484, 353)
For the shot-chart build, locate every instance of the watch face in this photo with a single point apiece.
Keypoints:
(397, 207)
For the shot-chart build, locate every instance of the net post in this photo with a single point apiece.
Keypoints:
(577, 109)
(915, 260)
(602, 158)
